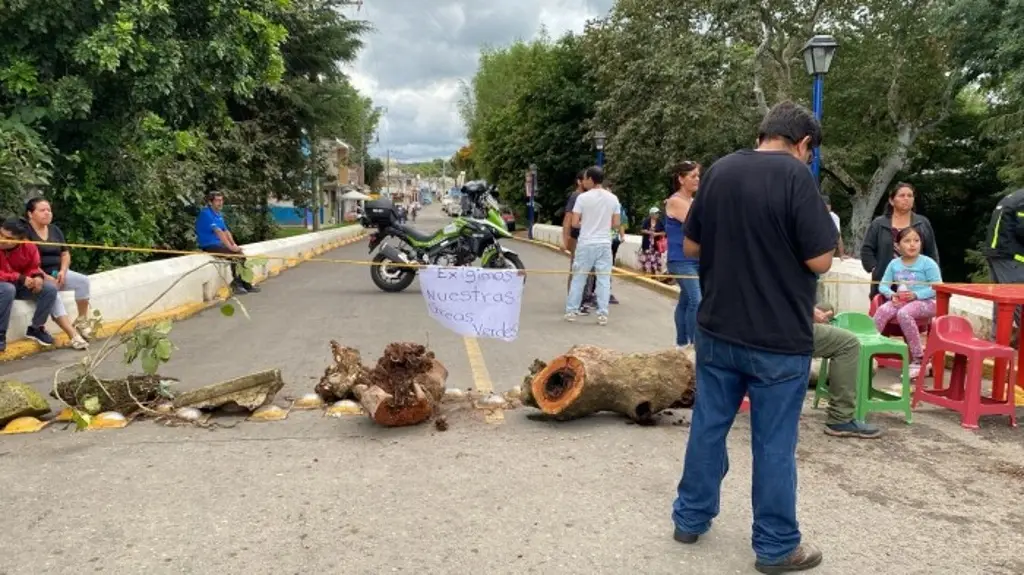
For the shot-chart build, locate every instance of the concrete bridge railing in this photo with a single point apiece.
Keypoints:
(121, 293)
(851, 296)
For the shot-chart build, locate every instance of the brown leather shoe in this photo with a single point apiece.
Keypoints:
(804, 557)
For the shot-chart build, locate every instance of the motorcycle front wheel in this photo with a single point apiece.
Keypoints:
(512, 262)
(390, 279)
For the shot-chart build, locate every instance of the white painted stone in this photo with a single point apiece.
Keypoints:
(491, 400)
(454, 393)
(188, 413)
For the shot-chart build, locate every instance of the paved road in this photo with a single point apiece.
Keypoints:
(323, 495)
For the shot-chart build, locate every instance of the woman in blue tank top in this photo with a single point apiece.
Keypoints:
(685, 180)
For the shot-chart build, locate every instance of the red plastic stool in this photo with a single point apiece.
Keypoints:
(954, 334)
(893, 329)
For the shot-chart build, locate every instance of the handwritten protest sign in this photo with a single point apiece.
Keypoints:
(474, 302)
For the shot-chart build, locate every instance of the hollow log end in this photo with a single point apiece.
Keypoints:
(410, 414)
(559, 384)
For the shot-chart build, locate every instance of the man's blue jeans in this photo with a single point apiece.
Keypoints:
(776, 384)
(689, 300)
(596, 257)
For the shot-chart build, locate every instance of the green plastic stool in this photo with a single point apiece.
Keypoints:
(872, 343)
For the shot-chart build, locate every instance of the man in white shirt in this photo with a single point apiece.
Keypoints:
(835, 219)
(593, 214)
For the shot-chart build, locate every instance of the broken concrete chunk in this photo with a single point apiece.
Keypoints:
(19, 400)
(249, 391)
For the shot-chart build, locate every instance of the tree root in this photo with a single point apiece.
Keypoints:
(404, 388)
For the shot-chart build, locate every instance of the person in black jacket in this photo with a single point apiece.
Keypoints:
(880, 245)
(1004, 245)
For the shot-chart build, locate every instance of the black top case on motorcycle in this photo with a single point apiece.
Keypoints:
(381, 213)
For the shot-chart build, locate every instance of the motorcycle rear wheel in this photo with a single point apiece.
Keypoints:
(390, 280)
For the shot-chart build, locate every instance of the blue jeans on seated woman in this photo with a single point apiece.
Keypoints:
(689, 299)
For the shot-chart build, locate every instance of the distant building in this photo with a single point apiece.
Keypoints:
(342, 175)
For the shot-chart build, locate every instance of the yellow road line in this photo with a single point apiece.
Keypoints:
(481, 377)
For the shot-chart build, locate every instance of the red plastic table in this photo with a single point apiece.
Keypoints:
(1006, 297)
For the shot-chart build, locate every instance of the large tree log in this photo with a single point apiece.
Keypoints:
(248, 391)
(404, 388)
(589, 379)
(122, 395)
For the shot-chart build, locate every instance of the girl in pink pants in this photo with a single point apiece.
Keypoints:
(914, 297)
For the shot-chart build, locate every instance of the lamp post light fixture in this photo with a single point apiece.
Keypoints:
(818, 53)
(599, 139)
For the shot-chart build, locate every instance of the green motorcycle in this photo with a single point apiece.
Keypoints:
(460, 243)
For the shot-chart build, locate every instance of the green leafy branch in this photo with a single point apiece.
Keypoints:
(149, 345)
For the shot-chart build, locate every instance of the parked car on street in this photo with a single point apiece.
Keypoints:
(451, 207)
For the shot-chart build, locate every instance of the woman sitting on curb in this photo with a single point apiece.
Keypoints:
(23, 279)
(55, 261)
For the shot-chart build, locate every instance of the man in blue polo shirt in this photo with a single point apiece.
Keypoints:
(213, 236)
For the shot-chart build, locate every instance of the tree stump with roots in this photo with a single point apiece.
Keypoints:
(404, 388)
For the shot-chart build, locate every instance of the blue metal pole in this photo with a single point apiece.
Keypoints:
(817, 97)
(529, 211)
(600, 158)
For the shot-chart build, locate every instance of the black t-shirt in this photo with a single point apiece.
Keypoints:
(758, 217)
(49, 256)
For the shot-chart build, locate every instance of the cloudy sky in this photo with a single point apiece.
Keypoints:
(413, 61)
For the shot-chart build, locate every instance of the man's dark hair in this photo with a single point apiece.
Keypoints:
(791, 122)
(16, 227)
(213, 196)
(595, 173)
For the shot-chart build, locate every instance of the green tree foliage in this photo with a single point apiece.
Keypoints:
(462, 161)
(374, 171)
(691, 79)
(923, 91)
(127, 112)
(530, 103)
(673, 89)
(991, 47)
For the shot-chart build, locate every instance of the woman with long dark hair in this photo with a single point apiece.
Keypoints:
(55, 261)
(685, 180)
(880, 245)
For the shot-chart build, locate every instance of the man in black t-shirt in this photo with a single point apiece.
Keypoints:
(762, 234)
